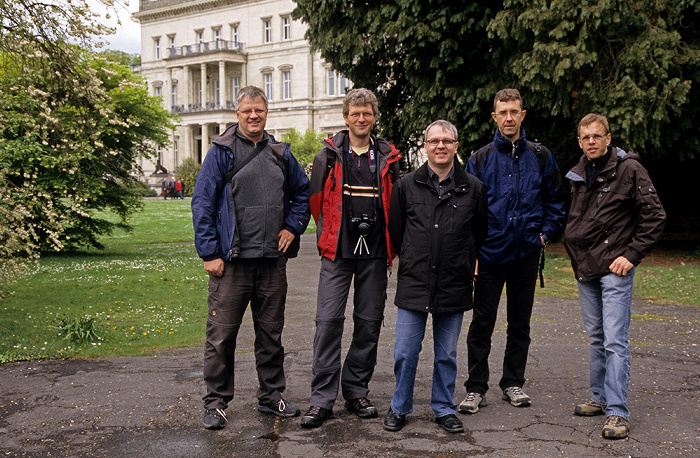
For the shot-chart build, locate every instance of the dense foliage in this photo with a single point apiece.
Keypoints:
(73, 124)
(187, 171)
(304, 146)
(637, 61)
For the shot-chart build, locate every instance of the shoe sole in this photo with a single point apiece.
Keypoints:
(614, 436)
(393, 428)
(311, 425)
(467, 410)
(263, 409)
(214, 427)
(516, 403)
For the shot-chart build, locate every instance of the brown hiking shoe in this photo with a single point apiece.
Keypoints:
(616, 427)
(589, 409)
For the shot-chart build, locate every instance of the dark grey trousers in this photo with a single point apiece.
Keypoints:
(262, 282)
(370, 280)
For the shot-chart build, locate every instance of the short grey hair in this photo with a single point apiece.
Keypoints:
(446, 125)
(252, 92)
(360, 97)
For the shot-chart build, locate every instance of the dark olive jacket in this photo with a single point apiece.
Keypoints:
(620, 214)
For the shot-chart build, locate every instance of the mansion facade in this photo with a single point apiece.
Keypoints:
(197, 54)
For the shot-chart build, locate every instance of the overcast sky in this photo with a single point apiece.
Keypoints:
(128, 36)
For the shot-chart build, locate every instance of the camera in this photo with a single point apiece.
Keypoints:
(363, 224)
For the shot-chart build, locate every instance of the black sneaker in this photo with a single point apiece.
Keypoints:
(362, 407)
(315, 417)
(280, 408)
(214, 419)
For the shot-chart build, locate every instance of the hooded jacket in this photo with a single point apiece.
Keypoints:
(524, 200)
(620, 214)
(213, 212)
(327, 186)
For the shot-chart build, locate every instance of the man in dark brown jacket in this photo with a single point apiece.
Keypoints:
(615, 220)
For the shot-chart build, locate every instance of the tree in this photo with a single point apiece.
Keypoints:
(187, 171)
(304, 147)
(73, 126)
(636, 61)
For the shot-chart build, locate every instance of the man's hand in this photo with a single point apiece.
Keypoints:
(476, 269)
(215, 267)
(285, 239)
(620, 266)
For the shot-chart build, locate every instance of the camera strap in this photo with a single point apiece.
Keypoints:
(361, 245)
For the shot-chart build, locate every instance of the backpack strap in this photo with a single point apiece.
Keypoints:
(258, 148)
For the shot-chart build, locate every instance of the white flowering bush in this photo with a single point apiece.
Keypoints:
(73, 127)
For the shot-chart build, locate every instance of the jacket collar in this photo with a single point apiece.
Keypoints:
(231, 133)
(460, 180)
(578, 172)
(504, 145)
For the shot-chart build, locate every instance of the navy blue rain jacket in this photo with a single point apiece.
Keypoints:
(212, 209)
(524, 201)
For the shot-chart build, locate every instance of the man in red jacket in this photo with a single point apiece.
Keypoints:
(350, 192)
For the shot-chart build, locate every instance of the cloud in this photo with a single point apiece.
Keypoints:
(128, 34)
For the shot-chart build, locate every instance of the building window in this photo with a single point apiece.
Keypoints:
(217, 99)
(287, 85)
(234, 34)
(175, 151)
(199, 93)
(174, 95)
(342, 84)
(158, 91)
(330, 82)
(156, 48)
(217, 34)
(200, 36)
(171, 41)
(235, 86)
(286, 28)
(267, 78)
(267, 30)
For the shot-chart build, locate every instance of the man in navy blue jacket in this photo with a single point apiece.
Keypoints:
(526, 211)
(246, 226)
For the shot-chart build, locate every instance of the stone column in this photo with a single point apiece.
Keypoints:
(186, 87)
(223, 87)
(203, 73)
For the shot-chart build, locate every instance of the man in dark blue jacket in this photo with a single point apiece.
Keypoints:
(249, 207)
(526, 211)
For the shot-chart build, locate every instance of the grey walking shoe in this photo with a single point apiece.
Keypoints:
(214, 419)
(472, 403)
(516, 396)
(280, 408)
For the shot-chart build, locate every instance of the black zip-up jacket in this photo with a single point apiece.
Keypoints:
(619, 214)
(436, 239)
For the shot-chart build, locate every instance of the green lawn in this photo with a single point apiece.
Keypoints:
(147, 290)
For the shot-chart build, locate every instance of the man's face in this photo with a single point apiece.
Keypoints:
(360, 120)
(252, 117)
(441, 147)
(509, 116)
(593, 140)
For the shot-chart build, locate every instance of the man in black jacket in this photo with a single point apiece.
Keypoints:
(437, 220)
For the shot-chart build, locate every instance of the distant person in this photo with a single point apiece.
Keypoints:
(350, 191)
(178, 189)
(165, 188)
(171, 188)
(244, 237)
(437, 222)
(615, 220)
(526, 211)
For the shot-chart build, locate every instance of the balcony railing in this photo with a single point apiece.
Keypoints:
(199, 108)
(204, 48)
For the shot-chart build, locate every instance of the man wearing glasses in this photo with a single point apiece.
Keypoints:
(249, 207)
(350, 191)
(615, 220)
(526, 211)
(437, 222)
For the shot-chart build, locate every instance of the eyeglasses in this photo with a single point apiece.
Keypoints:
(447, 142)
(247, 113)
(595, 137)
(357, 115)
(512, 113)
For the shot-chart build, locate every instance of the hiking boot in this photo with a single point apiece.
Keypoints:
(214, 419)
(616, 427)
(315, 417)
(280, 408)
(589, 409)
(516, 396)
(362, 407)
(472, 403)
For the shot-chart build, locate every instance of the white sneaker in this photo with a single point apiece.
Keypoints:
(472, 403)
(515, 395)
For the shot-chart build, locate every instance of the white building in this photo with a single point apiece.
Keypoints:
(196, 54)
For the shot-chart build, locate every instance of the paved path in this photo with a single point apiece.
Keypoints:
(151, 406)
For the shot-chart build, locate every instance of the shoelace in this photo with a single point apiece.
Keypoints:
(281, 406)
(472, 396)
(221, 412)
(517, 391)
(364, 402)
(313, 410)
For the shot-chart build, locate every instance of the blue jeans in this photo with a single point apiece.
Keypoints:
(606, 306)
(410, 330)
